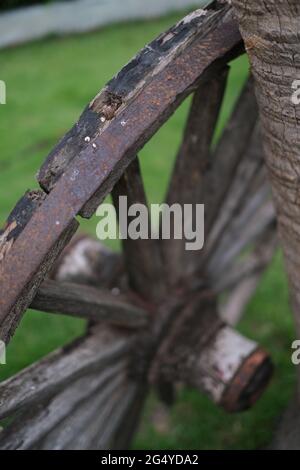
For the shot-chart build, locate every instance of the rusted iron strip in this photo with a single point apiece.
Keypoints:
(93, 173)
(16, 223)
(18, 219)
(124, 88)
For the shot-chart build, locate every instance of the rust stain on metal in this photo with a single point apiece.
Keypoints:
(249, 382)
(5, 241)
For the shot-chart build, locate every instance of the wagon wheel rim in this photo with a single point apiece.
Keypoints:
(190, 58)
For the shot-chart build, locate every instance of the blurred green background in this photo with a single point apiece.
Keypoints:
(48, 84)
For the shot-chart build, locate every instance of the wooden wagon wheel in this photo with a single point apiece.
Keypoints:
(154, 312)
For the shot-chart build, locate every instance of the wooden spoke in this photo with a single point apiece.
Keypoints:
(80, 425)
(233, 308)
(247, 176)
(142, 256)
(31, 427)
(87, 261)
(251, 264)
(192, 164)
(123, 435)
(109, 429)
(89, 303)
(225, 161)
(256, 218)
(51, 374)
(239, 296)
(229, 152)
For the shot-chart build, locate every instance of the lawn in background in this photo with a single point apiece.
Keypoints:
(48, 85)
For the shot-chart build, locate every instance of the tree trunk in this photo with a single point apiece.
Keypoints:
(271, 33)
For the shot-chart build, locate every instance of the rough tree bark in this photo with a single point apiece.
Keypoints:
(271, 31)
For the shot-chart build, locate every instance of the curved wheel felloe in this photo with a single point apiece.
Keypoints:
(157, 314)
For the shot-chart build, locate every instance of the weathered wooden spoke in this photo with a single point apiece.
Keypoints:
(31, 427)
(243, 277)
(80, 428)
(86, 261)
(154, 312)
(142, 256)
(89, 303)
(191, 165)
(248, 174)
(53, 373)
(229, 152)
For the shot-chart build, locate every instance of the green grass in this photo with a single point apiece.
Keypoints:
(48, 84)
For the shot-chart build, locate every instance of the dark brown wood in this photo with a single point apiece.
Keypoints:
(9, 321)
(230, 150)
(225, 160)
(89, 303)
(142, 256)
(191, 166)
(16, 223)
(18, 219)
(241, 190)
